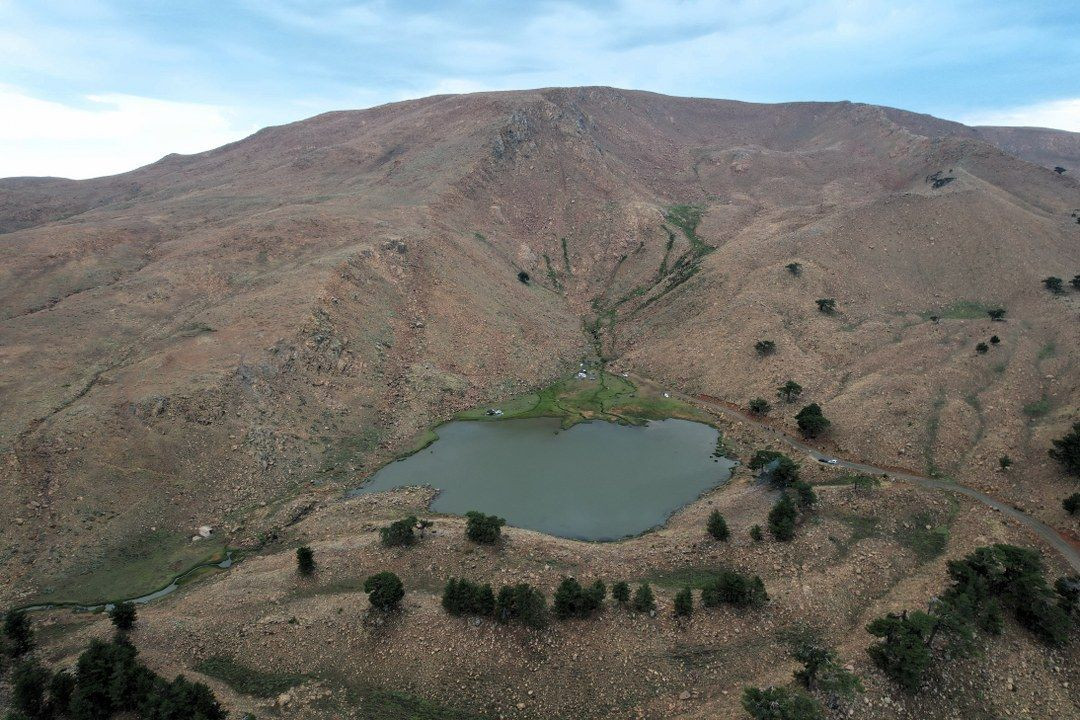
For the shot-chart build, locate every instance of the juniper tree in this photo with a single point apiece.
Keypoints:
(384, 590)
(305, 560)
(780, 703)
(759, 406)
(811, 421)
(981, 348)
(18, 634)
(789, 391)
(1005, 462)
(782, 519)
(904, 650)
(794, 268)
(399, 532)
(826, 305)
(481, 528)
(28, 683)
(1072, 504)
(123, 616)
(1066, 450)
(620, 591)
(684, 602)
(731, 587)
(717, 526)
(996, 314)
(765, 347)
(643, 599)
(1075, 282)
(756, 534)
(1054, 285)
(521, 602)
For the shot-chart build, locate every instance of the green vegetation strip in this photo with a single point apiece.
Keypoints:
(247, 680)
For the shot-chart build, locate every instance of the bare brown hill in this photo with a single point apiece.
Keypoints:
(185, 342)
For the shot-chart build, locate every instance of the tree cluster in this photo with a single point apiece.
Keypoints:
(572, 600)
(1066, 450)
(481, 528)
(385, 591)
(734, 588)
(811, 421)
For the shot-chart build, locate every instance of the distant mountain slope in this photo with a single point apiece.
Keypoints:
(185, 341)
(1042, 146)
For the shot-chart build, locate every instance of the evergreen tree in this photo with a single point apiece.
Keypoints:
(981, 348)
(1005, 462)
(756, 534)
(1066, 450)
(759, 406)
(1054, 285)
(61, 686)
(481, 528)
(684, 602)
(903, 653)
(643, 599)
(826, 305)
(997, 314)
(717, 526)
(778, 703)
(1072, 504)
(28, 683)
(782, 519)
(734, 588)
(789, 391)
(305, 560)
(765, 347)
(794, 268)
(123, 616)
(18, 634)
(521, 602)
(567, 600)
(384, 590)
(620, 591)
(804, 494)
(399, 532)
(812, 422)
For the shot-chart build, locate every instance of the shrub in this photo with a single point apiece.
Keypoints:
(782, 519)
(903, 653)
(523, 277)
(620, 591)
(981, 348)
(684, 602)
(521, 602)
(481, 528)
(384, 590)
(765, 347)
(717, 526)
(1054, 285)
(462, 597)
(826, 305)
(995, 340)
(778, 703)
(1075, 282)
(804, 494)
(572, 600)
(643, 599)
(756, 534)
(811, 421)
(734, 588)
(18, 634)
(822, 672)
(789, 391)
(996, 314)
(794, 268)
(123, 616)
(1066, 450)
(305, 560)
(1005, 462)
(759, 406)
(1072, 504)
(776, 467)
(1068, 590)
(61, 686)
(399, 532)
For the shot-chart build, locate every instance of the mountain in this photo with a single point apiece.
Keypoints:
(205, 337)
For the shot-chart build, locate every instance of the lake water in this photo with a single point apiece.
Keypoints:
(594, 481)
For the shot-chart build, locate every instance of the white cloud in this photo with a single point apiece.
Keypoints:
(1059, 114)
(106, 134)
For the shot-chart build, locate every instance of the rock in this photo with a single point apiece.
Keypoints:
(521, 706)
(684, 695)
(283, 699)
(205, 531)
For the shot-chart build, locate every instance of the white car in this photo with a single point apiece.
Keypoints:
(829, 461)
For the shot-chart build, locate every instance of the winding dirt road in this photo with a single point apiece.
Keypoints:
(1046, 533)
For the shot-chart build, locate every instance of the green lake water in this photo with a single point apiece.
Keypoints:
(594, 481)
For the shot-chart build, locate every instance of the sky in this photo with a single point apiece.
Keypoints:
(96, 87)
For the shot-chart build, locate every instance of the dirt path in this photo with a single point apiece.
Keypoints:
(1048, 534)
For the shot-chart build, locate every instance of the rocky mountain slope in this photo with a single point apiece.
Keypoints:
(182, 344)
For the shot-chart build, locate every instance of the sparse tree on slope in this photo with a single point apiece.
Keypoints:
(717, 526)
(1066, 450)
(790, 391)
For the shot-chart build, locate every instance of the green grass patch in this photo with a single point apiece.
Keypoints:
(394, 705)
(247, 680)
(1038, 408)
(146, 563)
(923, 536)
(1047, 351)
(347, 455)
(959, 310)
(859, 480)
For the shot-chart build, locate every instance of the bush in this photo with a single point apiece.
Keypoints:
(794, 268)
(811, 421)
(384, 590)
(996, 314)
(995, 340)
(782, 519)
(789, 391)
(1075, 282)
(1005, 462)
(123, 616)
(903, 653)
(981, 348)
(826, 305)
(18, 634)
(756, 534)
(822, 672)
(759, 406)
(521, 602)
(620, 591)
(61, 686)
(684, 602)
(778, 703)
(462, 597)
(305, 560)
(765, 347)
(1072, 504)
(1066, 450)
(734, 588)
(804, 494)
(717, 526)
(643, 599)
(780, 470)
(399, 532)
(481, 528)
(1054, 285)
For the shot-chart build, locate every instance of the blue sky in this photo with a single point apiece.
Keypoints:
(92, 87)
